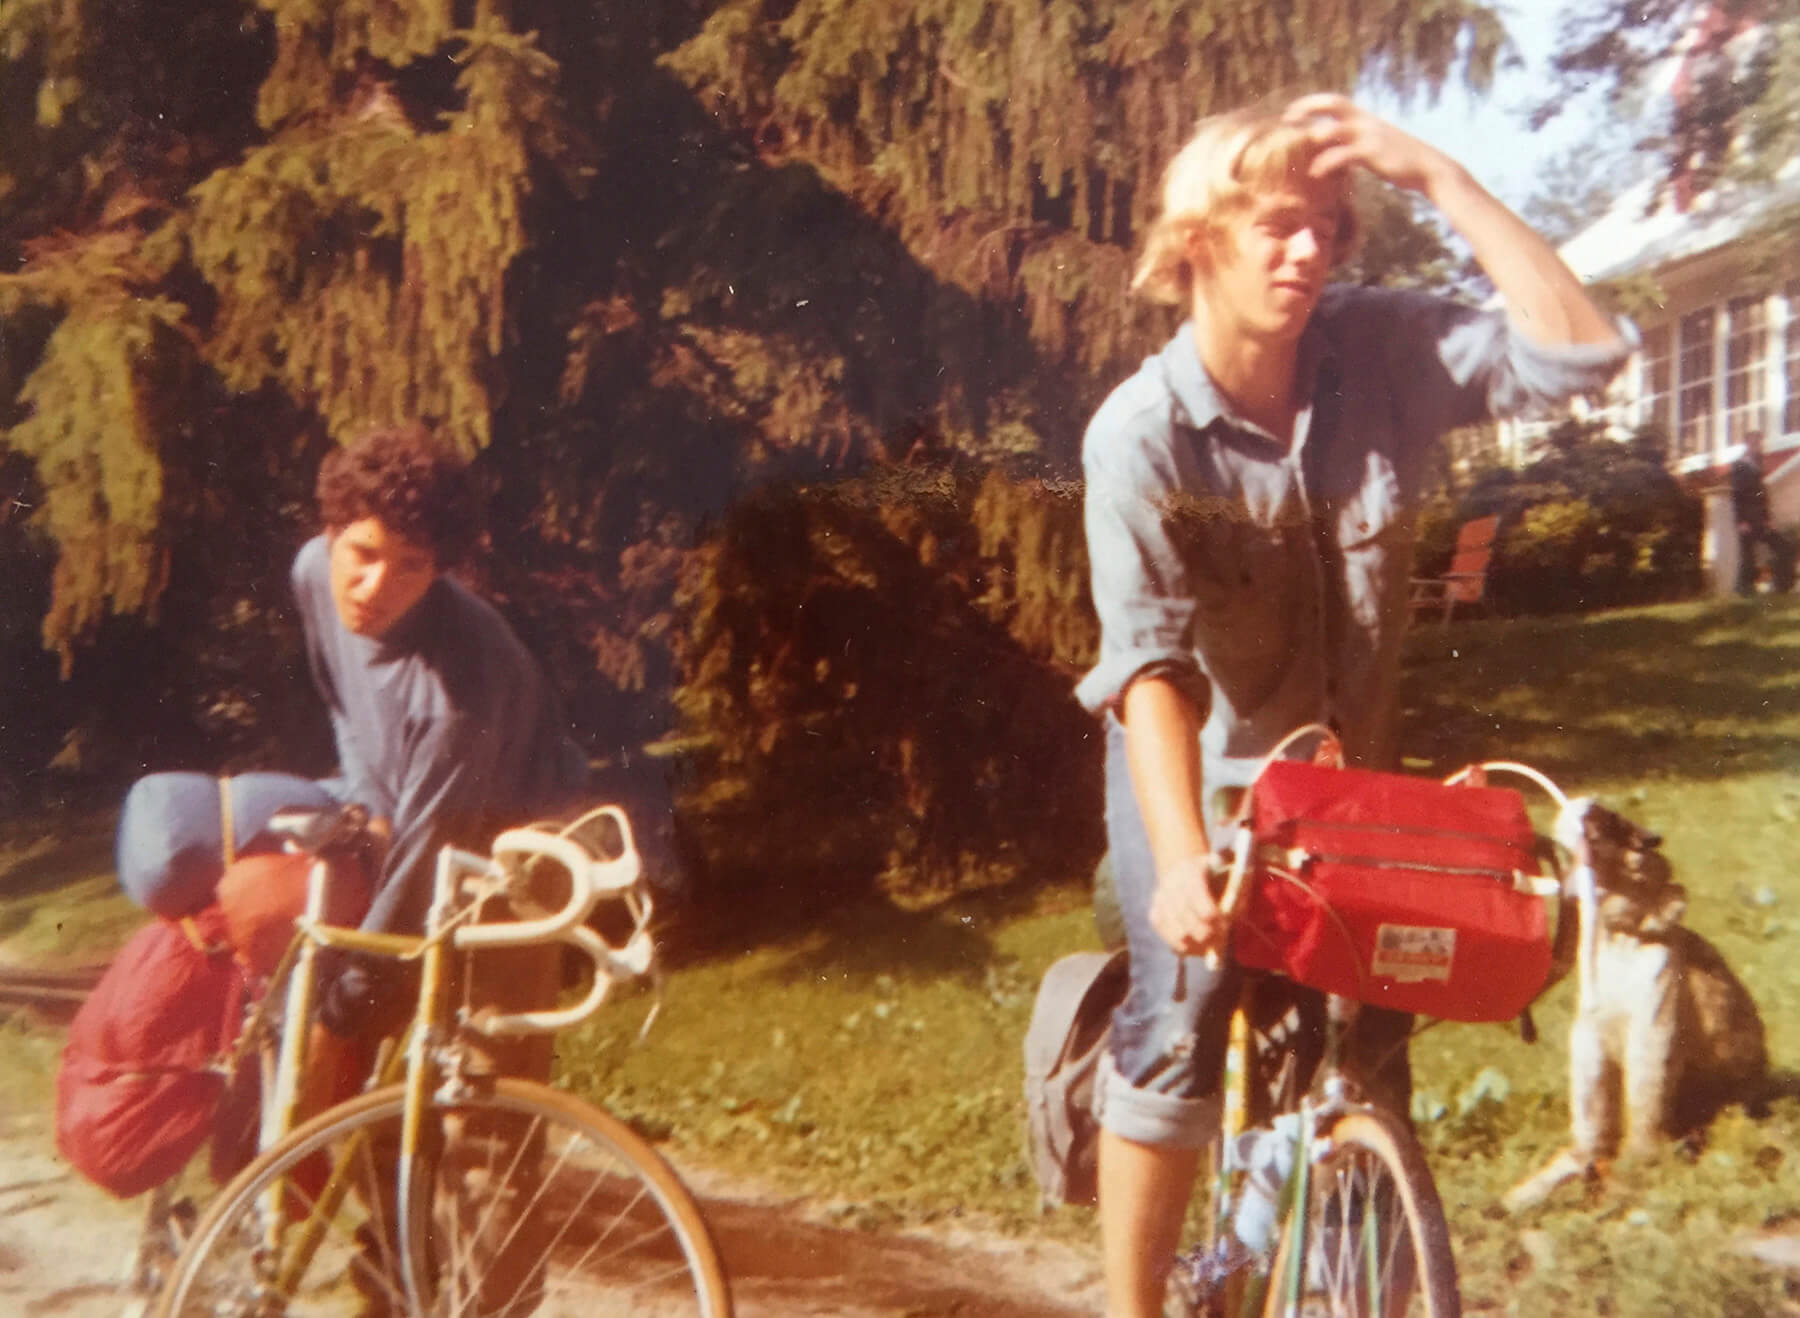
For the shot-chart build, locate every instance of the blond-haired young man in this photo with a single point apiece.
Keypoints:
(1250, 501)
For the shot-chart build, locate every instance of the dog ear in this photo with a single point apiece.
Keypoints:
(1600, 824)
(1649, 866)
(1633, 836)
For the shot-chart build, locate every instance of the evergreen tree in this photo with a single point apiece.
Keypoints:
(105, 128)
(1016, 144)
(773, 325)
(1736, 64)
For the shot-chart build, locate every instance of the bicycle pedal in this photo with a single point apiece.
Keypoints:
(166, 1232)
(183, 1216)
(147, 1265)
(1203, 1273)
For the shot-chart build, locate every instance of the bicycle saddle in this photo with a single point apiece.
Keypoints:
(314, 830)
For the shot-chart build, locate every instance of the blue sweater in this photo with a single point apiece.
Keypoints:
(445, 726)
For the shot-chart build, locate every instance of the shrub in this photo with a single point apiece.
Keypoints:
(1594, 523)
(877, 692)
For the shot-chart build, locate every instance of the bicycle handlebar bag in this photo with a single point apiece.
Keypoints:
(1396, 891)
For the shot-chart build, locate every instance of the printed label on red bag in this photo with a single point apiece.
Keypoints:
(1409, 952)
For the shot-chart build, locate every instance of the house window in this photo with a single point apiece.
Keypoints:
(1696, 397)
(1746, 368)
(1654, 367)
(1790, 421)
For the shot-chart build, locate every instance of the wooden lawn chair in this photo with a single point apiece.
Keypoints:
(1466, 581)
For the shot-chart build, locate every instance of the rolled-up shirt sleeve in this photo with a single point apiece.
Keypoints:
(1464, 364)
(1139, 582)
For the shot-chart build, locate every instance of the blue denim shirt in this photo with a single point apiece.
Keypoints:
(1271, 579)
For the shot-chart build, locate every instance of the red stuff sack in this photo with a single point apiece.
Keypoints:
(137, 1089)
(1401, 892)
(262, 897)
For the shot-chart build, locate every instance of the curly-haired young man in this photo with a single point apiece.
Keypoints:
(1250, 508)
(446, 729)
(445, 726)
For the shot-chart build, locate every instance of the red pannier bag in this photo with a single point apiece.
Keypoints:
(139, 1086)
(1397, 891)
(262, 897)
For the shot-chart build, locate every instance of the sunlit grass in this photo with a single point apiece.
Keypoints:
(59, 900)
(59, 905)
(874, 1062)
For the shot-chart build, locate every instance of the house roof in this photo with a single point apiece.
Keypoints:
(1647, 227)
(1641, 232)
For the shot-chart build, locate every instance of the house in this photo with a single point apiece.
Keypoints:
(1712, 279)
(1715, 291)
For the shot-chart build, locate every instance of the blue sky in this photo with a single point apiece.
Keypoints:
(1488, 134)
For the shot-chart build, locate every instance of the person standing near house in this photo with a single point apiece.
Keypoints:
(1250, 511)
(1750, 509)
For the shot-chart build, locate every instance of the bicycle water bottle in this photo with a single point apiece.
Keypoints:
(1266, 1158)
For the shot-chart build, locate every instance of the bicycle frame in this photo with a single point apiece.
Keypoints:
(432, 1058)
(1331, 1093)
(1226, 1286)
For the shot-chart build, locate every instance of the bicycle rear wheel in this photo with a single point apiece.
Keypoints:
(1377, 1245)
(531, 1202)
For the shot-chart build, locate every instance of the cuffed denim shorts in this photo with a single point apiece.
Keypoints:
(1160, 1082)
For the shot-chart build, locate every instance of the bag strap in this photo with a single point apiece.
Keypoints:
(190, 929)
(1328, 753)
(227, 831)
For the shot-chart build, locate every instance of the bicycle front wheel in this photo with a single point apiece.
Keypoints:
(1376, 1243)
(529, 1202)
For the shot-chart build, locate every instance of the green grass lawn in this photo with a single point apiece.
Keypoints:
(874, 1062)
(60, 903)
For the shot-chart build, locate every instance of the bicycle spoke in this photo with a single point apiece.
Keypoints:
(1372, 1231)
(468, 1283)
(1363, 1270)
(534, 1203)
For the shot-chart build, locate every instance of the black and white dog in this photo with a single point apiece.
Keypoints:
(1664, 1033)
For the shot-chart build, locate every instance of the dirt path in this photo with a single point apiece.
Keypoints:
(782, 1263)
(64, 1245)
(65, 1249)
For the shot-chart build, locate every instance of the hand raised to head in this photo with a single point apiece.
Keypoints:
(1349, 136)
